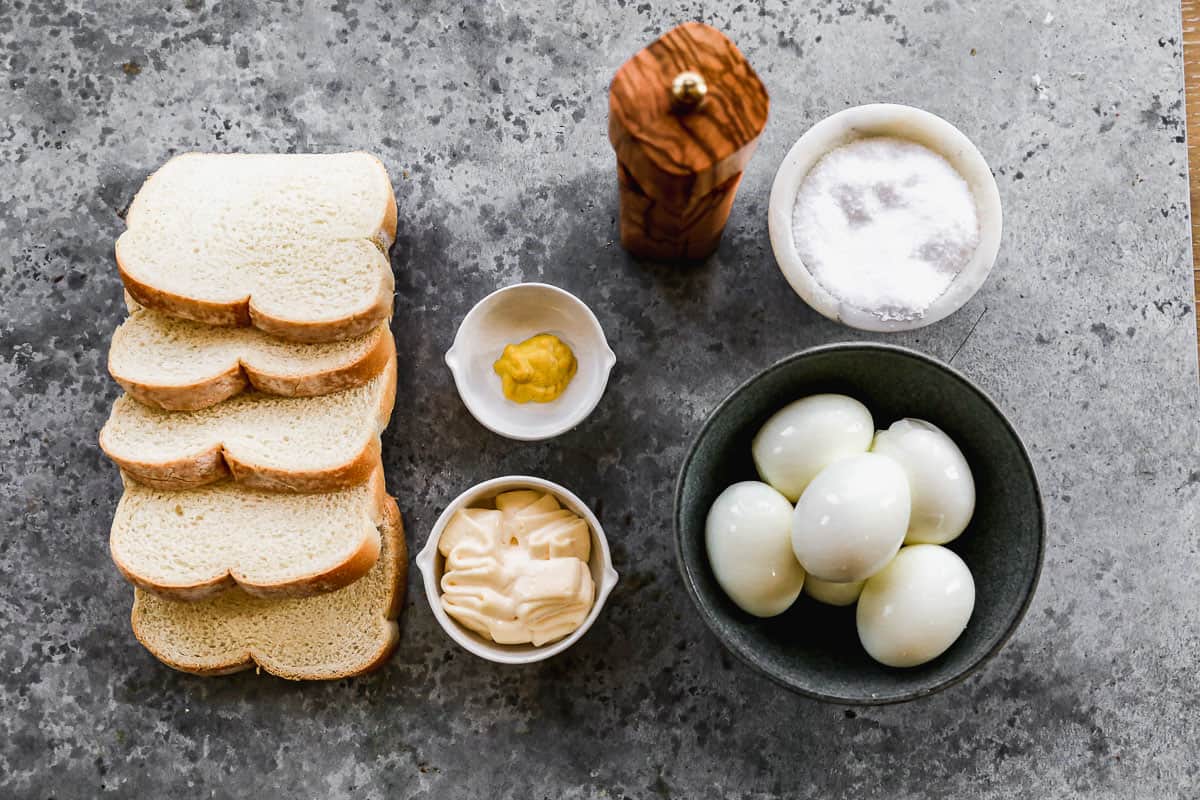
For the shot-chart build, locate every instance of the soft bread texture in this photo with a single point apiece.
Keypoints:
(179, 365)
(335, 635)
(295, 245)
(288, 444)
(195, 544)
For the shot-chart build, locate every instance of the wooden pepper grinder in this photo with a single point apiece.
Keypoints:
(684, 117)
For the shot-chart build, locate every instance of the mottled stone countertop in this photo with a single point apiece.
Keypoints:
(491, 119)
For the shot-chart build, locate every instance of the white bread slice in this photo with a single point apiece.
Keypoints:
(179, 365)
(293, 244)
(198, 543)
(287, 444)
(334, 635)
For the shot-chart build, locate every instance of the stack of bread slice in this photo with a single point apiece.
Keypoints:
(259, 372)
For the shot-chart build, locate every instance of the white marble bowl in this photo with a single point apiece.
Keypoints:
(905, 122)
(431, 563)
(512, 315)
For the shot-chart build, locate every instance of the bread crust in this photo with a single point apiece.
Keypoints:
(359, 563)
(356, 323)
(217, 463)
(389, 225)
(242, 312)
(186, 397)
(241, 376)
(363, 369)
(392, 529)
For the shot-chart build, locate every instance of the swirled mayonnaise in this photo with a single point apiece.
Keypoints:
(517, 573)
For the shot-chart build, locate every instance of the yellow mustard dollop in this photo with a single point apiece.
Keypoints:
(538, 369)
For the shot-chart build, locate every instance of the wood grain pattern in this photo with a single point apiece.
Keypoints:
(654, 231)
(675, 156)
(1191, 77)
(679, 171)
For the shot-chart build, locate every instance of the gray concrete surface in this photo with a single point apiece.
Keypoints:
(491, 119)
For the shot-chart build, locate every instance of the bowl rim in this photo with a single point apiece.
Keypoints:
(426, 561)
(585, 407)
(864, 121)
(747, 658)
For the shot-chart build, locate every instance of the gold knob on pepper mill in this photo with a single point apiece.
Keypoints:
(688, 90)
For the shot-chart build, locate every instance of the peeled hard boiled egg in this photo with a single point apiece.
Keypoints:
(748, 536)
(802, 438)
(851, 519)
(913, 609)
(832, 594)
(943, 491)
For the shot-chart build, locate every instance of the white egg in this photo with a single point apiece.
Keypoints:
(748, 536)
(851, 519)
(804, 437)
(833, 594)
(913, 609)
(943, 490)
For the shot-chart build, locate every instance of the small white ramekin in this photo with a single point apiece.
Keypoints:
(905, 122)
(512, 315)
(431, 563)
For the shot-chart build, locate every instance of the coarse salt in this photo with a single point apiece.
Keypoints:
(885, 225)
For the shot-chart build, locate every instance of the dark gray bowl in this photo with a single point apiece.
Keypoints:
(812, 648)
